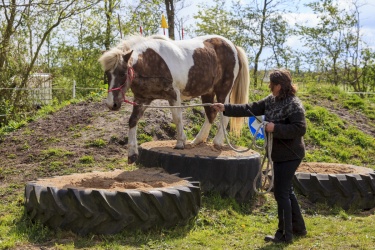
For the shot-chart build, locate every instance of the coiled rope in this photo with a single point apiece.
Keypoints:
(268, 141)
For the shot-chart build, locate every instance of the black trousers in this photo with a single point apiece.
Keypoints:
(288, 209)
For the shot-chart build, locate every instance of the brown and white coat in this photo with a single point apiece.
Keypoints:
(209, 66)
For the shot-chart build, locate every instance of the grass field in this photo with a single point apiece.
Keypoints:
(221, 223)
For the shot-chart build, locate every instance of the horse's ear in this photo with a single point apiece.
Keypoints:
(127, 56)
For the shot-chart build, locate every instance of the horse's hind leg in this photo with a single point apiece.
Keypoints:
(137, 113)
(210, 115)
(177, 119)
(223, 123)
(203, 133)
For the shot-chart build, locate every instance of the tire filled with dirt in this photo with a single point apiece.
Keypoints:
(341, 185)
(109, 202)
(225, 171)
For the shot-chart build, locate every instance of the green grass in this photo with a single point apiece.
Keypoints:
(220, 224)
(333, 139)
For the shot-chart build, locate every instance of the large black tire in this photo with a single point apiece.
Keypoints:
(108, 212)
(342, 190)
(228, 176)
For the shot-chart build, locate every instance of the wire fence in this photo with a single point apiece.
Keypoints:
(43, 95)
(38, 94)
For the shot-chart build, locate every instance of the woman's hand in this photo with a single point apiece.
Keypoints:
(218, 107)
(270, 127)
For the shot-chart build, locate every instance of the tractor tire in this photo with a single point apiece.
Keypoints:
(343, 190)
(231, 177)
(85, 211)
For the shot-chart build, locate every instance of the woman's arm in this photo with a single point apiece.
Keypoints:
(241, 110)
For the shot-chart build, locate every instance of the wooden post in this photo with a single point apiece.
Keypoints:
(74, 89)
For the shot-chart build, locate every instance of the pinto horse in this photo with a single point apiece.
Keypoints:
(156, 67)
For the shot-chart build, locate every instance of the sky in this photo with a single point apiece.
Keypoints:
(367, 18)
(304, 14)
(301, 14)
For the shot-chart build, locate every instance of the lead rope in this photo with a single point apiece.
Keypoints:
(268, 141)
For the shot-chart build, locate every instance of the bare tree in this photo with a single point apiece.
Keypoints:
(38, 19)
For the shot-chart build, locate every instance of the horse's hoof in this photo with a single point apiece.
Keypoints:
(194, 143)
(189, 146)
(132, 158)
(179, 147)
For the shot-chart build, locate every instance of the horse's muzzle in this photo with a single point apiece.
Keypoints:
(113, 106)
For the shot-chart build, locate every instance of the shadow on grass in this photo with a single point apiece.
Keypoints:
(39, 235)
(213, 206)
(214, 201)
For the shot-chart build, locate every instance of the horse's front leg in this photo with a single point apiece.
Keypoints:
(137, 113)
(177, 119)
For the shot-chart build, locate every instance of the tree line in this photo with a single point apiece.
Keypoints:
(66, 37)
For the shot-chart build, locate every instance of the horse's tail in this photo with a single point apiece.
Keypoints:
(240, 90)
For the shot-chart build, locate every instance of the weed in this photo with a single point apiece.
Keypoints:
(98, 143)
(55, 152)
(77, 135)
(354, 102)
(12, 156)
(27, 131)
(142, 138)
(25, 146)
(87, 159)
(55, 165)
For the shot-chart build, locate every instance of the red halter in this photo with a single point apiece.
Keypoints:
(129, 78)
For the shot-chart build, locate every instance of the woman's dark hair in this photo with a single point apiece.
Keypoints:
(284, 78)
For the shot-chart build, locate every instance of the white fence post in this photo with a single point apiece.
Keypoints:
(74, 89)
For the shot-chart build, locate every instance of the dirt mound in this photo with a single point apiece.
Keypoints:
(82, 137)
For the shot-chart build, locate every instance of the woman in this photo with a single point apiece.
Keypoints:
(286, 120)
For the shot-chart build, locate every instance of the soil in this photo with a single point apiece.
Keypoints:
(118, 180)
(203, 149)
(331, 168)
(86, 137)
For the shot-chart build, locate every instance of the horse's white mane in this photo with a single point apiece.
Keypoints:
(131, 40)
(112, 57)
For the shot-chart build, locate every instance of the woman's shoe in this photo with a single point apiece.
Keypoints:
(270, 238)
(300, 233)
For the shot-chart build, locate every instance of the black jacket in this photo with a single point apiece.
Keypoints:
(290, 124)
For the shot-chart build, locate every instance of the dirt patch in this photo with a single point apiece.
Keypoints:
(118, 180)
(203, 149)
(332, 168)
